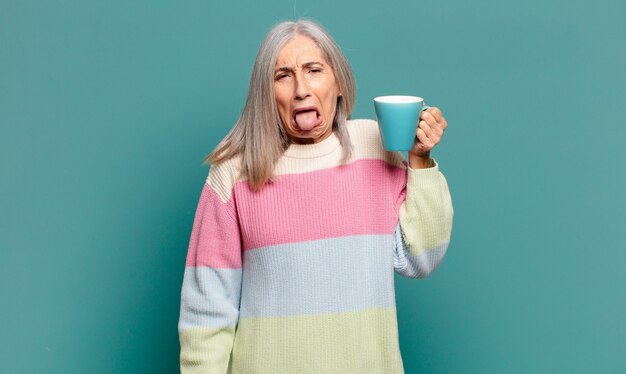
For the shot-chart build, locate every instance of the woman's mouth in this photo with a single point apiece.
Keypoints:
(306, 118)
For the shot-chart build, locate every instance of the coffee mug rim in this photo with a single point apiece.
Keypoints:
(398, 99)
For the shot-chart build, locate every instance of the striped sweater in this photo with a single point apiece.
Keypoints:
(299, 277)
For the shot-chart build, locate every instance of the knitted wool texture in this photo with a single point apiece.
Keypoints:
(299, 277)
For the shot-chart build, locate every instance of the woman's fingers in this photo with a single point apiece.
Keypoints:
(431, 119)
(436, 113)
(424, 141)
(430, 129)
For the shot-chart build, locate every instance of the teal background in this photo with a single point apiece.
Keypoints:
(107, 109)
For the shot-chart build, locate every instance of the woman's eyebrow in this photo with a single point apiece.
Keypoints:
(306, 65)
(309, 64)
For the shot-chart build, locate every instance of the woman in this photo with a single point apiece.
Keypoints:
(303, 220)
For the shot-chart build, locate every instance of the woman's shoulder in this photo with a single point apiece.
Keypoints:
(223, 176)
(367, 143)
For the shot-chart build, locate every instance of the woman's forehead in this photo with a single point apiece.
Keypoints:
(299, 51)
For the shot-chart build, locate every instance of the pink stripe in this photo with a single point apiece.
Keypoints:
(361, 198)
(215, 240)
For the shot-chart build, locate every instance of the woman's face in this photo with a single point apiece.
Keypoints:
(306, 91)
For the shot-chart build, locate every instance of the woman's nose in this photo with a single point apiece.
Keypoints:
(302, 88)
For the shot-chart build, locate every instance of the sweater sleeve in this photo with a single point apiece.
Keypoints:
(425, 223)
(211, 289)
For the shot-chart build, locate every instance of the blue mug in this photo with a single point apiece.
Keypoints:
(397, 120)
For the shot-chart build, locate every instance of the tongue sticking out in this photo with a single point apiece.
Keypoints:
(306, 120)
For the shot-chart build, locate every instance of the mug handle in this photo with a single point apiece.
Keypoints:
(424, 106)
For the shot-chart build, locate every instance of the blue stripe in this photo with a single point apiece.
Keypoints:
(209, 298)
(322, 276)
(413, 266)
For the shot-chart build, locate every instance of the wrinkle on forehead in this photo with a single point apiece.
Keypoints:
(299, 51)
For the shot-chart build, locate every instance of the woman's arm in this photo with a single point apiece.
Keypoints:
(425, 223)
(209, 310)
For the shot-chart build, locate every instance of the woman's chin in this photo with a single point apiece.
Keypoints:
(316, 134)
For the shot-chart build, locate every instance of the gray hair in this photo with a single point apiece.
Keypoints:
(258, 136)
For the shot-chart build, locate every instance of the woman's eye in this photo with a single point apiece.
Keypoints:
(315, 70)
(281, 76)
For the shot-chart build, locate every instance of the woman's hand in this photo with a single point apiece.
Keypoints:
(430, 129)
